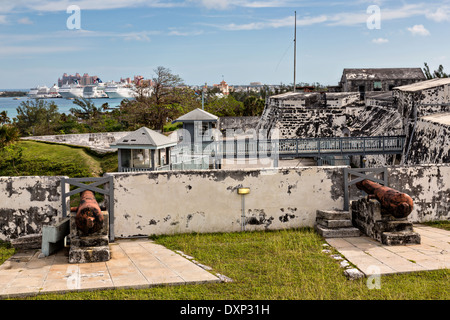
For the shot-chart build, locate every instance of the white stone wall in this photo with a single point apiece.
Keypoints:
(96, 141)
(183, 202)
(28, 203)
(428, 185)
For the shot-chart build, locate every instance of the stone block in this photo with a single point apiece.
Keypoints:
(28, 242)
(89, 241)
(368, 216)
(337, 232)
(334, 223)
(333, 214)
(89, 254)
(400, 238)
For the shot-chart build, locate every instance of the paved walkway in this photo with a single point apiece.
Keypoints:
(370, 256)
(133, 264)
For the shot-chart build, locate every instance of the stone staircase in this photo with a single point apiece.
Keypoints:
(335, 224)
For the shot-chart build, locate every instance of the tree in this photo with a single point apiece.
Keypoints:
(4, 119)
(8, 135)
(227, 106)
(253, 106)
(37, 117)
(439, 73)
(167, 101)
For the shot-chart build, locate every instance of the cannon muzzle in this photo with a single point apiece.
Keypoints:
(396, 203)
(89, 218)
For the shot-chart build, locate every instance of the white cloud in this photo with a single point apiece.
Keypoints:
(32, 50)
(275, 23)
(25, 21)
(419, 30)
(380, 41)
(3, 19)
(441, 14)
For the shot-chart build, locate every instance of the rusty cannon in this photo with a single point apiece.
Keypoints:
(89, 217)
(396, 203)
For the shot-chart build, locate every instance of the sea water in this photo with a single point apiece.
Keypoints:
(64, 105)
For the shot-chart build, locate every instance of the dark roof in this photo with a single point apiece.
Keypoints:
(144, 137)
(197, 115)
(383, 74)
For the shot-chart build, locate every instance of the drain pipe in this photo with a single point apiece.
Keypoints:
(243, 192)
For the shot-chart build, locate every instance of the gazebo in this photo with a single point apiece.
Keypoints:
(197, 123)
(143, 150)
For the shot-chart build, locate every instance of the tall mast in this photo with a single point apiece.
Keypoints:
(295, 49)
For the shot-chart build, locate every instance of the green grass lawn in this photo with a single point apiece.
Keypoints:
(44, 159)
(275, 265)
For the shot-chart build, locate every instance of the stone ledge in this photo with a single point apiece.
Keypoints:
(89, 254)
(337, 232)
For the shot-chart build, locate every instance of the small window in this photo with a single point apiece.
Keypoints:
(377, 86)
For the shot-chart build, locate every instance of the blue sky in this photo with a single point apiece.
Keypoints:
(241, 41)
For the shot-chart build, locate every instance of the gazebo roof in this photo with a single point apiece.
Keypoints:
(144, 138)
(197, 115)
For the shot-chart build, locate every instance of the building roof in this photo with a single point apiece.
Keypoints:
(383, 74)
(423, 85)
(144, 138)
(197, 115)
(441, 118)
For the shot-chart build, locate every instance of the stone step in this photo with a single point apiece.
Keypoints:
(89, 241)
(334, 215)
(337, 232)
(400, 238)
(334, 223)
(89, 254)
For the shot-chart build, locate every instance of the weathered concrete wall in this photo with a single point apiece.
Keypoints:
(207, 201)
(27, 204)
(308, 115)
(428, 185)
(96, 141)
(237, 123)
(430, 142)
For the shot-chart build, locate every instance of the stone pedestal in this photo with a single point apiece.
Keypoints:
(89, 248)
(370, 218)
(335, 224)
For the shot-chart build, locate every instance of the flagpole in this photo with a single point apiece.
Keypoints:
(295, 50)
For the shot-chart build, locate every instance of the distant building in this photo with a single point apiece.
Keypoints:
(381, 79)
(224, 88)
(77, 79)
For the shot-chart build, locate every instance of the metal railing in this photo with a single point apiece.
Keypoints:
(311, 147)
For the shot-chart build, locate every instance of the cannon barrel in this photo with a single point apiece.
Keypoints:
(396, 203)
(89, 218)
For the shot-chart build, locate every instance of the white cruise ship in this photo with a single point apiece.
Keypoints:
(119, 91)
(94, 92)
(54, 92)
(33, 92)
(71, 91)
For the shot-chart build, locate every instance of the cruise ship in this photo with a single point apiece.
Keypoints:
(39, 92)
(71, 91)
(119, 91)
(94, 92)
(54, 92)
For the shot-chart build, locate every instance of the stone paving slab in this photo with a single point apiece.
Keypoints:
(133, 264)
(368, 255)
